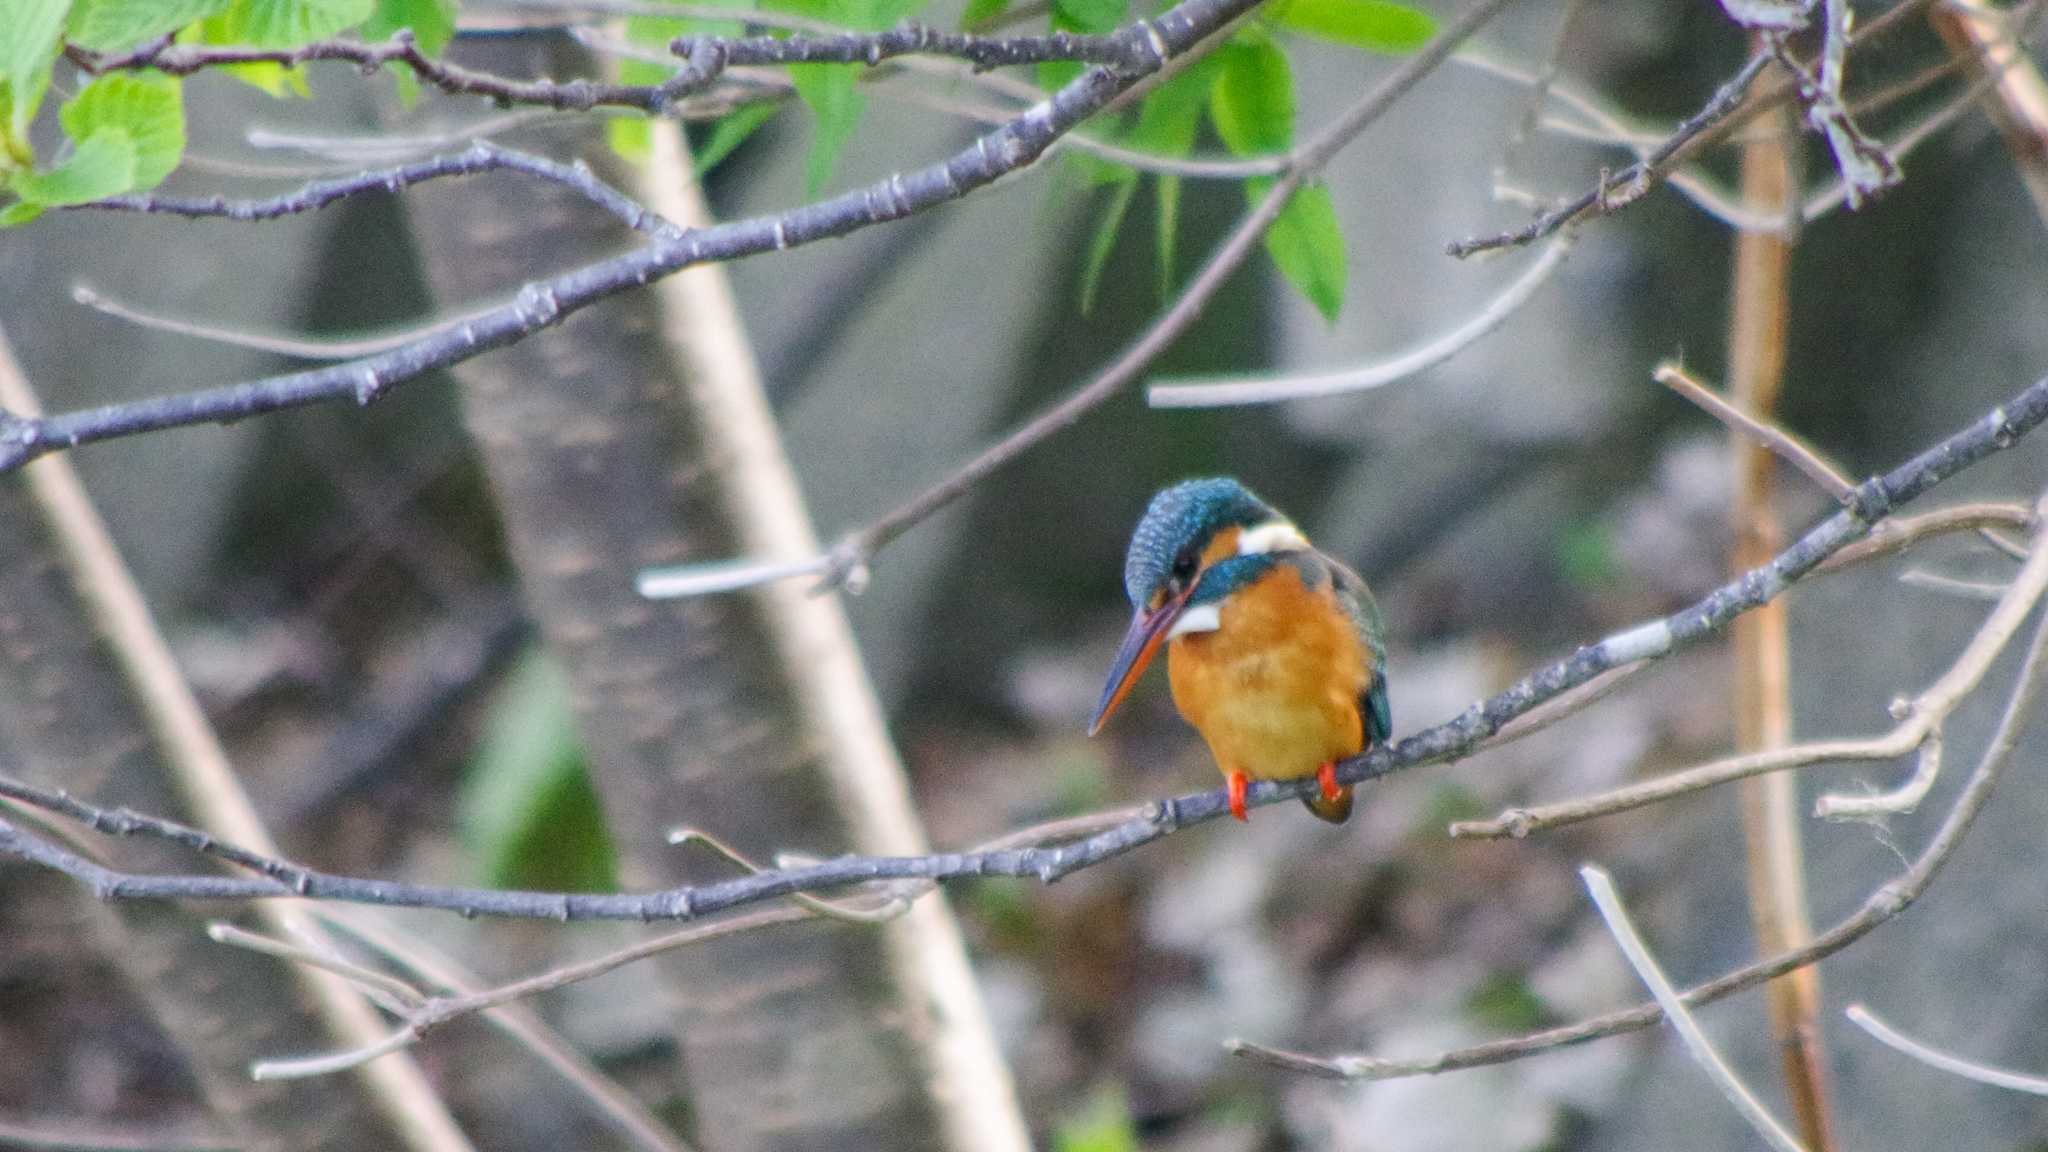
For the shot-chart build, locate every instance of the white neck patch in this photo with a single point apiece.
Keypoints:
(1200, 618)
(1272, 536)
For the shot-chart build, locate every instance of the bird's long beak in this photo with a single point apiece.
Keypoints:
(1142, 639)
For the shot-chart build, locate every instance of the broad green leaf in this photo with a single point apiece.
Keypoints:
(1252, 101)
(18, 213)
(285, 23)
(148, 109)
(1104, 241)
(1307, 244)
(835, 104)
(529, 816)
(1374, 25)
(980, 13)
(110, 25)
(30, 33)
(729, 132)
(99, 166)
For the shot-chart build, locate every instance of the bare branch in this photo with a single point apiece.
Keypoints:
(1884, 1033)
(1601, 887)
(47, 1134)
(1457, 737)
(1919, 720)
(480, 156)
(301, 347)
(1224, 392)
(1788, 447)
(544, 303)
(1881, 905)
(1638, 178)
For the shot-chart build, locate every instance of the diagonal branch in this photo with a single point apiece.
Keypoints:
(544, 303)
(1875, 499)
(1886, 902)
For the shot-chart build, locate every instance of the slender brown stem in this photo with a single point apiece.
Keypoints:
(1758, 329)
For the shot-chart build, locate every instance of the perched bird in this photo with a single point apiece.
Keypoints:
(1275, 651)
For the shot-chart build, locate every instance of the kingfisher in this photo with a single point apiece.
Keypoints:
(1275, 651)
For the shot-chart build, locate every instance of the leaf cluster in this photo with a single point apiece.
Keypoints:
(125, 132)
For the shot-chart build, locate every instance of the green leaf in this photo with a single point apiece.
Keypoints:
(1374, 25)
(18, 213)
(285, 23)
(433, 26)
(729, 132)
(980, 13)
(1104, 241)
(432, 22)
(529, 816)
(1105, 1125)
(148, 109)
(1167, 124)
(631, 137)
(30, 33)
(1088, 17)
(1252, 101)
(1093, 17)
(110, 25)
(835, 104)
(100, 166)
(1307, 244)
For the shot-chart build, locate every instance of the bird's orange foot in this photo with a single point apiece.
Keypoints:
(1326, 777)
(1238, 783)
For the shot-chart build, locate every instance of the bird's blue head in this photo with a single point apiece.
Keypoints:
(1187, 530)
(1179, 523)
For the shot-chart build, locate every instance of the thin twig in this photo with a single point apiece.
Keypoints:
(1600, 886)
(1219, 392)
(481, 156)
(1789, 448)
(1884, 1033)
(300, 347)
(49, 1134)
(1457, 737)
(2018, 101)
(1635, 180)
(620, 1107)
(1918, 719)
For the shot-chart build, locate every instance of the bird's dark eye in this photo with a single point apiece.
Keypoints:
(1183, 567)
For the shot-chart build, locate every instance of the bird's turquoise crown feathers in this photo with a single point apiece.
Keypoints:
(1179, 521)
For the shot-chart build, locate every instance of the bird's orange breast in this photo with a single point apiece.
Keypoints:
(1275, 690)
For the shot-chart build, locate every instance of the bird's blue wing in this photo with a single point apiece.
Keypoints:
(1372, 629)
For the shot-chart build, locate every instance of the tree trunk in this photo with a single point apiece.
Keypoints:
(636, 435)
(67, 721)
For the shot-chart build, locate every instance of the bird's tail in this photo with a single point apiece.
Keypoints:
(1335, 811)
